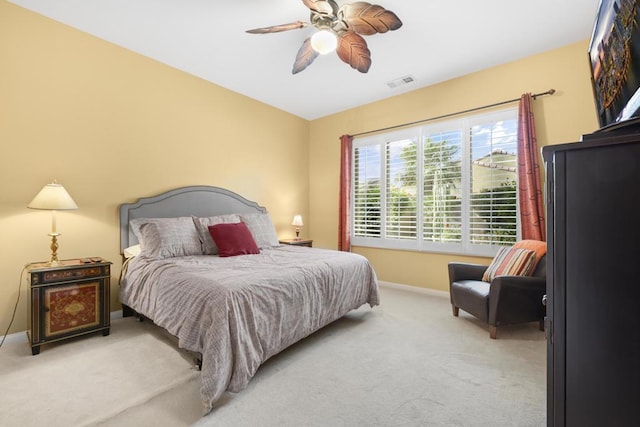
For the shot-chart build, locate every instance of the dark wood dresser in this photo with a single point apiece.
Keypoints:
(593, 281)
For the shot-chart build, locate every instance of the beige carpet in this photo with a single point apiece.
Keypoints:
(87, 380)
(408, 362)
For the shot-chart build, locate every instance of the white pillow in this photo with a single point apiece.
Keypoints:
(202, 225)
(132, 251)
(261, 228)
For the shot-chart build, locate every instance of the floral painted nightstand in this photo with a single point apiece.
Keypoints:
(68, 300)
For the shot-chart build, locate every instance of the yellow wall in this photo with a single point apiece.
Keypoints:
(112, 126)
(563, 117)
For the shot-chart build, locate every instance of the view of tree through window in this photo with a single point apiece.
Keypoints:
(401, 194)
(442, 185)
(450, 186)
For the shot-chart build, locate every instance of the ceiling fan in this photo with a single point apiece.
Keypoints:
(339, 28)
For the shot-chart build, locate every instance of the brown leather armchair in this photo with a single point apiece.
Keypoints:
(506, 300)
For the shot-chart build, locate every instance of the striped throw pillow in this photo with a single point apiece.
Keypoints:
(511, 262)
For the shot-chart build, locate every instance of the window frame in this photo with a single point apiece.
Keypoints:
(418, 134)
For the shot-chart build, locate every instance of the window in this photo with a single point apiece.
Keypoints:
(447, 187)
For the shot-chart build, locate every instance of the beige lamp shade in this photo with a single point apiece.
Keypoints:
(53, 197)
(297, 221)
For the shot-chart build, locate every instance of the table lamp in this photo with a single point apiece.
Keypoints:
(53, 197)
(297, 222)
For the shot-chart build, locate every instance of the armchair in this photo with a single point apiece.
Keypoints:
(505, 300)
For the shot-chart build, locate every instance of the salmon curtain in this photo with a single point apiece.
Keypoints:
(529, 187)
(344, 210)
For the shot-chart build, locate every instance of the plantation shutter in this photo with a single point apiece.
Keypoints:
(442, 178)
(366, 196)
(400, 177)
(446, 187)
(493, 183)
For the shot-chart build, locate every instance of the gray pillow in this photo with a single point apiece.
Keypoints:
(166, 237)
(261, 228)
(202, 225)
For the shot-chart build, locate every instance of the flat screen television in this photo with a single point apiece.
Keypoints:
(614, 53)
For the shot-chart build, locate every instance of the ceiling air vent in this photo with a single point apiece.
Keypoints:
(401, 81)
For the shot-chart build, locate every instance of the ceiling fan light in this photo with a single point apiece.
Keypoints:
(324, 41)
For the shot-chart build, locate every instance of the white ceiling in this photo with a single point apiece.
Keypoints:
(439, 40)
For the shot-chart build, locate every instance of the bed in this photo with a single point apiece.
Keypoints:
(236, 311)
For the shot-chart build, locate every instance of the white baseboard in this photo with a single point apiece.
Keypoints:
(22, 336)
(416, 289)
(17, 337)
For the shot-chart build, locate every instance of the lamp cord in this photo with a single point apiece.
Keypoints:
(15, 308)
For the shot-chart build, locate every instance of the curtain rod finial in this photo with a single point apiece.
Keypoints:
(549, 92)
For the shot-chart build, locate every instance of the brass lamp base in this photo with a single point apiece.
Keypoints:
(54, 250)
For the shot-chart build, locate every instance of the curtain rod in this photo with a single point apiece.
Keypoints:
(549, 92)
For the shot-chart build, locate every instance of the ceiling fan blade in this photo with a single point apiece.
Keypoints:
(306, 55)
(322, 6)
(367, 19)
(278, 28)
(353, 50)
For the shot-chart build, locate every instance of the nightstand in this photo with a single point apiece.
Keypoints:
(68, 300)
(297, 242)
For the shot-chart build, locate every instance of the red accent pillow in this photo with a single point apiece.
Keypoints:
(233, 239)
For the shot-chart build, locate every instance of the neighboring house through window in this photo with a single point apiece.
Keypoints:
(443, 187)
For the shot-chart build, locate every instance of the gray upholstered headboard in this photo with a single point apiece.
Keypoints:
(198, 200)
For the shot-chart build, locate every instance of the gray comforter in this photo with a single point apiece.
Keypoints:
(239, 311)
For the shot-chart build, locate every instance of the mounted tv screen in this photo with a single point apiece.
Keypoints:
(614, 52)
